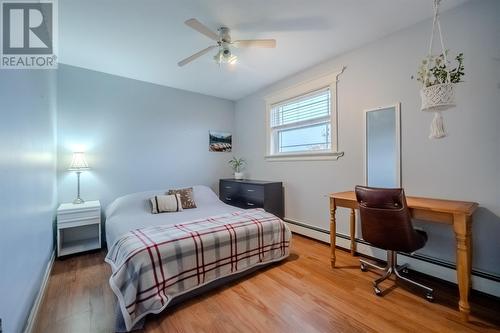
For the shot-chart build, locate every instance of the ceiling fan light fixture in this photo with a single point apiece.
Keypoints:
(224, 56)
(218, 57)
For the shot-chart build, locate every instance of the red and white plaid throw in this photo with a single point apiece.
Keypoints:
(153, 265)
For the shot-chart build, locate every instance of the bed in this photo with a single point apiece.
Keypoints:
(159, 259)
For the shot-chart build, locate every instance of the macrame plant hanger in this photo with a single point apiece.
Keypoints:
(438, 97)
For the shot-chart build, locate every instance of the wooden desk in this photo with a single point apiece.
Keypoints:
(456, 213)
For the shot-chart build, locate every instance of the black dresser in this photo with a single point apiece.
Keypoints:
(253, 194)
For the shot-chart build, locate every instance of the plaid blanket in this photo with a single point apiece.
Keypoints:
(153, 265)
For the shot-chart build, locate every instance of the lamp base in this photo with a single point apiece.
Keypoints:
(78, 201)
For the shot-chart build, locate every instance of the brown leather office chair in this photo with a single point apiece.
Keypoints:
(386, 224)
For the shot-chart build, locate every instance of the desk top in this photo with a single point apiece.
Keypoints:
(438, 205)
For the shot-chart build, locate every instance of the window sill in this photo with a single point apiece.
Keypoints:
(330, 156)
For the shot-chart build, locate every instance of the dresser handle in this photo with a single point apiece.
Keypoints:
(251, 190)
(228, 187)
(250, 204)
(228, 199)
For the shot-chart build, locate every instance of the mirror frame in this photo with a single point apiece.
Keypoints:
(397, 108)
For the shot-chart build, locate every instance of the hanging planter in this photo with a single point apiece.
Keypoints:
(438, 97)
(438, 91)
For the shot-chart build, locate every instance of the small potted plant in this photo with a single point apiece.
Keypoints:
(237, 164)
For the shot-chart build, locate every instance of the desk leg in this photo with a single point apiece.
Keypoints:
(462, 227)
(333, 230)
(353, 232)
(469, 245)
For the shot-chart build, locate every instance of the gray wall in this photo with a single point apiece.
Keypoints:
(464, 165)
(138, 136)
(27, 188)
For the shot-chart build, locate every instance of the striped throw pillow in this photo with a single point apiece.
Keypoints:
(166, 203)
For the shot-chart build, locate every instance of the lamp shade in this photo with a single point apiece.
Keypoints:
(78, 163)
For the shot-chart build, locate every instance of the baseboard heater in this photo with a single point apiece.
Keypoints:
(435, 261)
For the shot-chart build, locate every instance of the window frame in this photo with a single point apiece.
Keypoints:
(328, 81)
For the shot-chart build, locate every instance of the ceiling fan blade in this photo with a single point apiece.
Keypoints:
(196, 55)
(268, 43)
(201, 28)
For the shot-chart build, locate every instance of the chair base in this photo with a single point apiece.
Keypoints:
(393, 268)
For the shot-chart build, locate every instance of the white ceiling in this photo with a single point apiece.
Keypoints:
(144, 39)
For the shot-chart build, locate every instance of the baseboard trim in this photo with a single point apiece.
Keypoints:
(481, 281)
(40, 296)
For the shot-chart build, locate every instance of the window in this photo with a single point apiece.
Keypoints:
(302, 124)
(302, 121)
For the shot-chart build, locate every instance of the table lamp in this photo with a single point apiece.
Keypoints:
(78, 164)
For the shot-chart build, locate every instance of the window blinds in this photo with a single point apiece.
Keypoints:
(311, 107)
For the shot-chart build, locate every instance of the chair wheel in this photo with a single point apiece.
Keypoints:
(378, 292)
(362, 267)
(429, 297)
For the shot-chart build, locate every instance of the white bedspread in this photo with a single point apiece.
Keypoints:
(133, 211)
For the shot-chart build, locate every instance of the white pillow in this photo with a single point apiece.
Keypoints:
(166, 203)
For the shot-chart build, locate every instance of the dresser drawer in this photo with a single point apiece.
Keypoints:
(229, 190)
(251, 203)
(252, 191)
(230, 200)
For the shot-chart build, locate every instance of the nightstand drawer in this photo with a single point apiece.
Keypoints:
(70, 216)
(78, 223)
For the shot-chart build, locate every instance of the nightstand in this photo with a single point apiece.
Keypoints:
(78, 227)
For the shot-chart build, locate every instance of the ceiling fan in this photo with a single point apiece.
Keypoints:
(224, 43)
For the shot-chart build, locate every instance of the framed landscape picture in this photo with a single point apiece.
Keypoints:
(220, 141)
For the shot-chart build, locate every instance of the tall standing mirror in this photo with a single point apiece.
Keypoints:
(383, 147)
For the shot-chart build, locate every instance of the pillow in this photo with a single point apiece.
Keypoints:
(166, 203)
(186, 194)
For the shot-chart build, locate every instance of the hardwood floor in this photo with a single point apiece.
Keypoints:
(302, 294)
